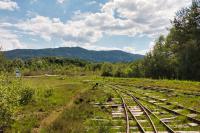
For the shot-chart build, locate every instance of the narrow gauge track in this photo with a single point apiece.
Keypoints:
(125, 112)
(169, 103)
(162, 89)
(139, 125)
(147, 110)
(177, 105)
(167, 109)
(180, 93)
(162, 107)
(143, 109)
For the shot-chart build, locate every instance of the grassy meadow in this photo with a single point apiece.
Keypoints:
(67, 104)
(51, 95)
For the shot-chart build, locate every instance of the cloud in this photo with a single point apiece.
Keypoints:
(8, 5)
(132, 17)
(61, 1)
(116, 17)
(8, 40)
(150, 17)
(134, 50)
(46, 28)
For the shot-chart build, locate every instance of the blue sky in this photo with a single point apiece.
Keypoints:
(129, 25)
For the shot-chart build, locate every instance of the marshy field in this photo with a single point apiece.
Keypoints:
(99, 66)
(96, 104)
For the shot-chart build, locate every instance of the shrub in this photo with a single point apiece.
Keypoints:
(26, 96)
(12, 94)
(8, 100)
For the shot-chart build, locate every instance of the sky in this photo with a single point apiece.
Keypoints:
(128, 25)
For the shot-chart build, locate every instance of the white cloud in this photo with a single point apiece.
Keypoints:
(8, 5)
(116, 17)
(134, 50)
(150, 17)
(46, 28)
(95, 47)
(61, 1)
(132, 17)
(8, 40)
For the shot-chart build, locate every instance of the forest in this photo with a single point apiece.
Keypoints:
(174, 56)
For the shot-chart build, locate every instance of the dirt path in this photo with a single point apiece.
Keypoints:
(55, 114)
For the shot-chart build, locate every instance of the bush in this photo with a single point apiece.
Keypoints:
(12, 94)
(8, 100)
(26, 96)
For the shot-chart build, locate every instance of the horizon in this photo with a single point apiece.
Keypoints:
(93, 24)
(74, 47)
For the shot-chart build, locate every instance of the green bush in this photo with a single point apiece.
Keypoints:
(8, 100)
(12, 94)
(26, 96)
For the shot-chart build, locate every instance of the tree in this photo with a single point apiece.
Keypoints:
(157, 62)
(178, 54)
(107, 69)
(185, 37)
(2, 60)
(118, 70)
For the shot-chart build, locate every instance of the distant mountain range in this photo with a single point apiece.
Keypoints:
(74, 52)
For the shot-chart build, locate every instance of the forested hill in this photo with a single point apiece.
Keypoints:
(74, 52)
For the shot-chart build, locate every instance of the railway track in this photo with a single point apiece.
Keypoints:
(150, 112)
(164, 101)
(175, 106)
(155, 115)
(158, 89)
(144, 114)
(133, 116)
(145, 99)
(125, 112)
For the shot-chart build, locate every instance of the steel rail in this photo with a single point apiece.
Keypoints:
(167, 109)
(138, 123)
(125, 112)
(145, 108)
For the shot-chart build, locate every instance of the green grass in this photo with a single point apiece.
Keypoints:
(51, 94)
(77, 118)
(64, 104)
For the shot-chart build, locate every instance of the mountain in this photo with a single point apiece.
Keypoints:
(74, 52)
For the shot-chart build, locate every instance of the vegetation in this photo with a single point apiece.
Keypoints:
(177, 55)
(57, 94)
(78, 117)
(29, 104)
(13, 94)
(53, 104)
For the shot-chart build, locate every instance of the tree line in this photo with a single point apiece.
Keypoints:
(174, 56)
(177, 55)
